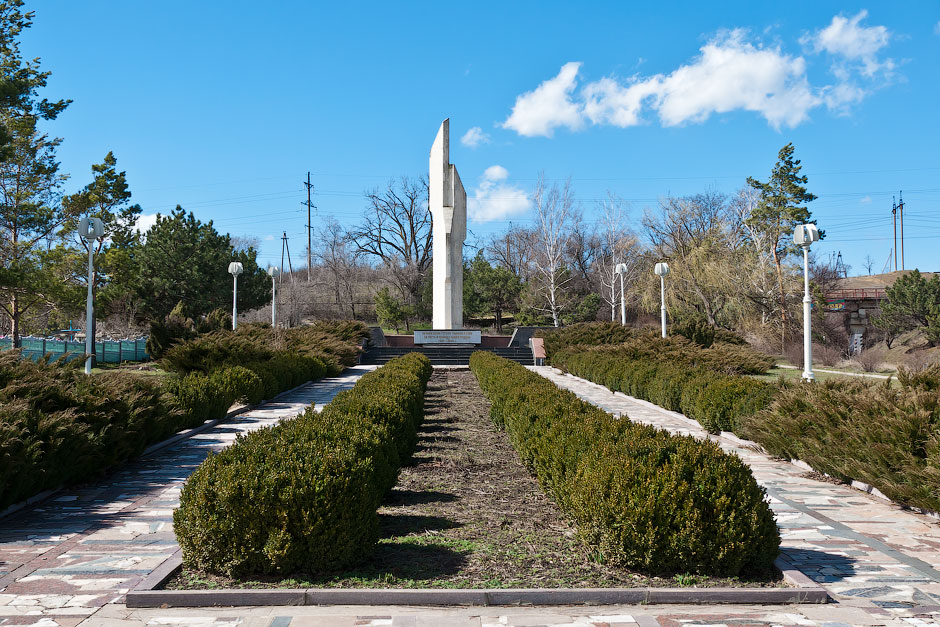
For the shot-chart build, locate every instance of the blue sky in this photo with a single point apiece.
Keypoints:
(224, 107)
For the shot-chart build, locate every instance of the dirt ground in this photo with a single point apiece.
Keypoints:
(467, 514)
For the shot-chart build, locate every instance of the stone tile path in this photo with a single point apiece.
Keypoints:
(64, 559)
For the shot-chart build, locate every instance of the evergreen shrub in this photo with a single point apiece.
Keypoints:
(691, 383)
(886, 436)
(303, 495)
(59, 426)
(644, 498)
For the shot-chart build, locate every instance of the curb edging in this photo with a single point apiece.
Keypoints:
(147, 594)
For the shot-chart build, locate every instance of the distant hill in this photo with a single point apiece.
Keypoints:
(875, 280)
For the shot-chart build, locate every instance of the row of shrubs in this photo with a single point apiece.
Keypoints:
(59, 426)
(642, 497)
(303, 495)
(886, 436)
(610, 333)
(206, 383)
(883, 435)
(716, 400)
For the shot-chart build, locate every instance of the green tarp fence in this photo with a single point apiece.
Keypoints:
(108, 351)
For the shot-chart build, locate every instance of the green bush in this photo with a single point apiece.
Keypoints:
(333, 343)
(585, 334)
(885, 436)
(692, 382)
(705, 334)
(302, 496)
(168, 332)
(644, 498)
(59, 426)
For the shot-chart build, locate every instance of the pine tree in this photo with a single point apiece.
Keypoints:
(781, 208)
(30, 214)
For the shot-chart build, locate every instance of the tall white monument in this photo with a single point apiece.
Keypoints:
(448, 204)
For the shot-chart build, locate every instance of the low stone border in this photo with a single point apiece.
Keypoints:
(148, 594)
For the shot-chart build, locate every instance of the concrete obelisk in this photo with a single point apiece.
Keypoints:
(448, 204)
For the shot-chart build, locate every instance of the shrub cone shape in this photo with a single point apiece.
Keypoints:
(303, 495)
(646, 499)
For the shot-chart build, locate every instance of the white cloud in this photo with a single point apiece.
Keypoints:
(475, 137)
(847, 38)
(732, 72)
(269, 238)
(936, 28)
(548, 106)
(495, 199)
(145, 221)
(607, 102)
(865, 200)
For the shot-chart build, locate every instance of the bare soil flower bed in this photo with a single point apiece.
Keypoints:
(467, 514)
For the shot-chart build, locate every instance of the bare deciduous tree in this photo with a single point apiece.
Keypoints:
(555, 211)
(616, 245)
(344, 271)
(397, 233)
(513, 250)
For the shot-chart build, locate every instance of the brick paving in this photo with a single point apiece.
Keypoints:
(70, 560)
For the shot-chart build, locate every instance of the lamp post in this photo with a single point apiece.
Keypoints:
(235, 268)
(621, 269)
(804, 235)
(90, 229)
(661, 270)
(273, 272)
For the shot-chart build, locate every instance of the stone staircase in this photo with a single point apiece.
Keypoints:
(445, 356)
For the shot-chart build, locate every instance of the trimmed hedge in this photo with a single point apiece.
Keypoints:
(693, 385)
(303, 495)
(644, 498)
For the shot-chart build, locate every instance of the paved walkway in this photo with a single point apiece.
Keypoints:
(64, 559)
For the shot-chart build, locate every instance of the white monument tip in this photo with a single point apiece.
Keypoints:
(447, 201)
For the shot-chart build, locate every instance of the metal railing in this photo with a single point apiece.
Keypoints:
(864, 293)
(107, 351)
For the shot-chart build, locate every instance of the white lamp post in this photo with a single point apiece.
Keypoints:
(273, 272)
(804, 235)
(661, 270)
(235, 268)
(621, 269)
(90, 229)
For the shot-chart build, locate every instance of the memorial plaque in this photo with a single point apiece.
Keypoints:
(447, 336)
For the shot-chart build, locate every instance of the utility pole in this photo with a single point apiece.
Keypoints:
(310, 205)
(894, 219)
(283, 246)
(901, 221)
